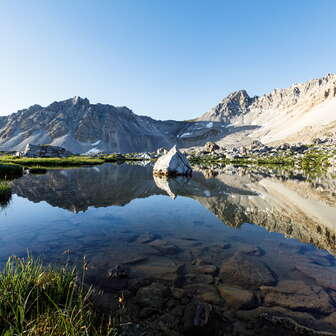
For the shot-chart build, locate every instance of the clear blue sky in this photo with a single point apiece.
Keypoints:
(169, 59)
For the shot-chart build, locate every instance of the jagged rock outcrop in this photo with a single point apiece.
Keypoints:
(235, 104)
(44, 151)
(211, 146)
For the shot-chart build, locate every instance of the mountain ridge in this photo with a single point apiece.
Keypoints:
(291, 114)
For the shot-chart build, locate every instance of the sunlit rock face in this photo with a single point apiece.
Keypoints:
(45, 151)
(306, 108)
(174, 163)
(79, 126)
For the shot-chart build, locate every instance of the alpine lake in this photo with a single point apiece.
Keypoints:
(233, 250)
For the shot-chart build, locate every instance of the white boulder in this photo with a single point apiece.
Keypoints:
(173, 163)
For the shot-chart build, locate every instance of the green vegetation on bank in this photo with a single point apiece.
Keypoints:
(247, 161)
(310, 162)
(37, 300)
(52, 162)
(45, 163)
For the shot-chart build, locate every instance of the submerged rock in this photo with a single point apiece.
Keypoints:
(324, 276)
(164, 246)
(154, 295)
(146, 237)
(237, 298)
(297, 295)
(172, 164)
(246, 271)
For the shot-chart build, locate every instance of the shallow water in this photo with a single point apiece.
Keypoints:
(121, 215)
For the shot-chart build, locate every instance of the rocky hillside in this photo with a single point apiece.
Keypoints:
(293, 114)
(298, 113)
(82, 127)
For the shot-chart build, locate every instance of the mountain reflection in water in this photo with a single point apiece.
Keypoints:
(297, 208)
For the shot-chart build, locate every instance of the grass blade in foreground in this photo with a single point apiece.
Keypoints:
(38, 300)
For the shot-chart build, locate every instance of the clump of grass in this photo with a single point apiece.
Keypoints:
(37, 300)
(314, 163)
(5, 194)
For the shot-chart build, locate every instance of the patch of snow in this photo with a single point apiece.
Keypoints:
(209, 125)
(207, 193)
(93, 151)
(185, 134)
(96, 143)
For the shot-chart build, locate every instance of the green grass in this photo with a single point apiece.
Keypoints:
(250, 160)
(37, 300)
(112, 158)
(72, 161)
(314, 163)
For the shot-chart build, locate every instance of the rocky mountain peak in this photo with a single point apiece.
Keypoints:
(75, 102)
(297, 113)
(78, 100)
(234, 104)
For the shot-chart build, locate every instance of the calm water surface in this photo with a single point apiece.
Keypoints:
(121, 215)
